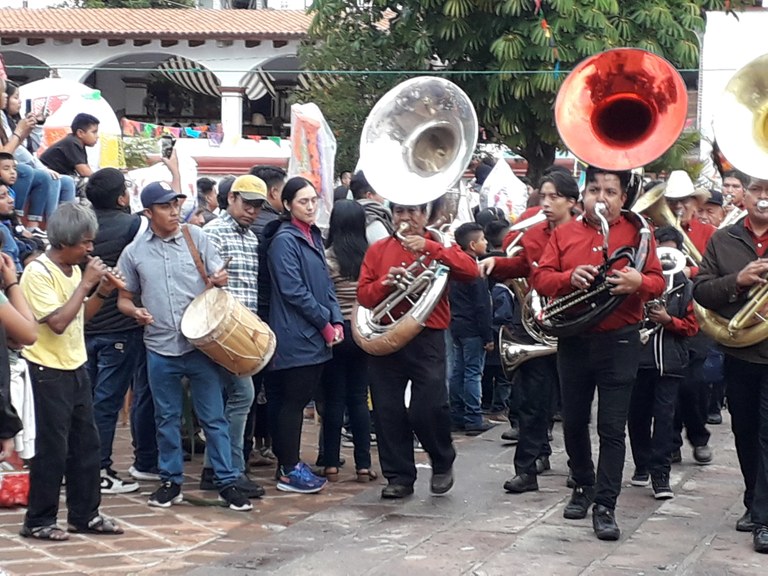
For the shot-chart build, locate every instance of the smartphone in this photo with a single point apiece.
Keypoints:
(27, 107)
(166, 145)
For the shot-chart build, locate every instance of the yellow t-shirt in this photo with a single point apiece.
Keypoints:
(47, 289)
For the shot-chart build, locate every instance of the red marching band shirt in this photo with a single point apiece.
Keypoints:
(389, 252)
(533, 242)
(699, 234)
(578, 242)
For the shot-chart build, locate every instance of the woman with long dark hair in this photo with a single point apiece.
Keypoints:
(345, 379)
(305, 317)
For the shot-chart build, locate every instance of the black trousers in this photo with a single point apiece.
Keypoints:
(256, 425)
(652, 408)
(67, 443)
(747, 394)
(691, 410)
(288, 392)
(537, 381)
(422, 361)
(606, 361)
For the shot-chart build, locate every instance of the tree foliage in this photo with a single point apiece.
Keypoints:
(128, 4)
(498, 50)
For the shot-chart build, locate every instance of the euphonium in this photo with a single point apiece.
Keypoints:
(416, 143)
(512, 351)
(749, 325)
(653, 205)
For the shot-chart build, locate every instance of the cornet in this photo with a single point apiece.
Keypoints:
(672, 262)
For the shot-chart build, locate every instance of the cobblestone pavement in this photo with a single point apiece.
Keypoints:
(475, 529)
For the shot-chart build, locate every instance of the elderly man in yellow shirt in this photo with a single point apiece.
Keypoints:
(62, 299)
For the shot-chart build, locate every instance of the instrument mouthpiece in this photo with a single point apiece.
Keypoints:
(762, 205)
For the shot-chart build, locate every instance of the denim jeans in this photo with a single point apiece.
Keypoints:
(238, 395)
(606, 362)
(32, 186)
(111, 362)
(62, 190)
(465, 384)
(345, 385)
(67, 443)
(165, 373)
(143, 428)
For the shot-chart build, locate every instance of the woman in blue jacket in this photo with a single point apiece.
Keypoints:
(307, 321)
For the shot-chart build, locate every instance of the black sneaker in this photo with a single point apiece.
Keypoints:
(581, 500)
(511, 435)
(111, 483)
(235, 498)
(702, 455)
(640, 478)
(522, 483)
(604, 523)
(543, 465)
(484, 427)
(248, 487)
(168, 493)
(661, 489)
(745, 524)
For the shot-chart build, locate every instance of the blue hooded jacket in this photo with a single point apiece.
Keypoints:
(302, 299)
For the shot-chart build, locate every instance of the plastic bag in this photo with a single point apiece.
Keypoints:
(14, 486)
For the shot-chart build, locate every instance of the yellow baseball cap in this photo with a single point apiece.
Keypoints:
(250, 187)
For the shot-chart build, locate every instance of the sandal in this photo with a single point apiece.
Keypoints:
(331, 474)
(98, 525)
(366, 475)
(51, 532)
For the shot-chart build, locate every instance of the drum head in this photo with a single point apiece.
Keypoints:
(205, 314)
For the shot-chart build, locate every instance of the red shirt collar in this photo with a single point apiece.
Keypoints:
(748, 225)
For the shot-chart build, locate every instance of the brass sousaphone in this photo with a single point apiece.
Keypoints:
(416, 143)
(741, 132)
(617, 110)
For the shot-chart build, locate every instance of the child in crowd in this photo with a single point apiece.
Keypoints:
(68, 155)
(472, 337)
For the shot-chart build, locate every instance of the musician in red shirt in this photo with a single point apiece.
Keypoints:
(422, 360)
(684, 200)
(537, 376)
(603, 357)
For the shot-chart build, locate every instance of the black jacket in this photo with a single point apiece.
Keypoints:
(117, 229)
(471, 312)
(268, 214)
(665, 351)
(728, 251)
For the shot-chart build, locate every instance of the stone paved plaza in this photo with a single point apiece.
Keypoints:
(475, 529)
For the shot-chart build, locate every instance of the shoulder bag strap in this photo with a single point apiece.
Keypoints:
(195, 254)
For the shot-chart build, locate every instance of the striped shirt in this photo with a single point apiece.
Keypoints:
(239, 243)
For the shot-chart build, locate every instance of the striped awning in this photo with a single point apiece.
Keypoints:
(193, 77)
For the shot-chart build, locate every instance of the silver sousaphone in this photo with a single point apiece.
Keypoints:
(416, 143)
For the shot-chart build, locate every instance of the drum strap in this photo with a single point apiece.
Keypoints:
(195, 254)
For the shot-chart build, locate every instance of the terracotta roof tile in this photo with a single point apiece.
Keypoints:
(153, 23)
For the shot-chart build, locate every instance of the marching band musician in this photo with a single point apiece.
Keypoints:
(603, 357)
(422, 360)
(538, 376)
(684, 200)
(734, 262)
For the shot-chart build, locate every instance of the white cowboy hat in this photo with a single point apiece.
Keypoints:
(679, 185)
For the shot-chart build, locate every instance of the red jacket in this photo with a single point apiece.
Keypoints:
(578, 242)
(389, 252)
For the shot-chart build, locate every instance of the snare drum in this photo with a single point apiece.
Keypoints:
(221, 327)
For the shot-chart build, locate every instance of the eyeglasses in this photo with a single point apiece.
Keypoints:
(250, 204)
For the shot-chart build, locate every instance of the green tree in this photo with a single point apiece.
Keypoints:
(501, 54)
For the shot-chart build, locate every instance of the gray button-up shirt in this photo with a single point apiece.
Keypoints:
(163, 272)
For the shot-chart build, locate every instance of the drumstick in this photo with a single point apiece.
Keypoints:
(226, 263)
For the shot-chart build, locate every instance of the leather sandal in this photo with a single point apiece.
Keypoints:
(52, 532)
(331, 474)
(98, 525)
(366, 475)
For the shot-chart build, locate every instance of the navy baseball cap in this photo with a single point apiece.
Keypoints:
(158, 193)
(716, 197)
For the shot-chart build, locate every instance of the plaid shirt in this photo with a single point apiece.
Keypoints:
(231, 239)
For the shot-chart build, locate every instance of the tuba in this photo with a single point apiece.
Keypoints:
(741, 133)
(415, 145)
(617, 110)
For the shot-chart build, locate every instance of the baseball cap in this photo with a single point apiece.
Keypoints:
(158, 193)
(716, 197)
(250, 187)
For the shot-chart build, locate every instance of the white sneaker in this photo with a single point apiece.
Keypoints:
(111, 483)
(137, 474)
